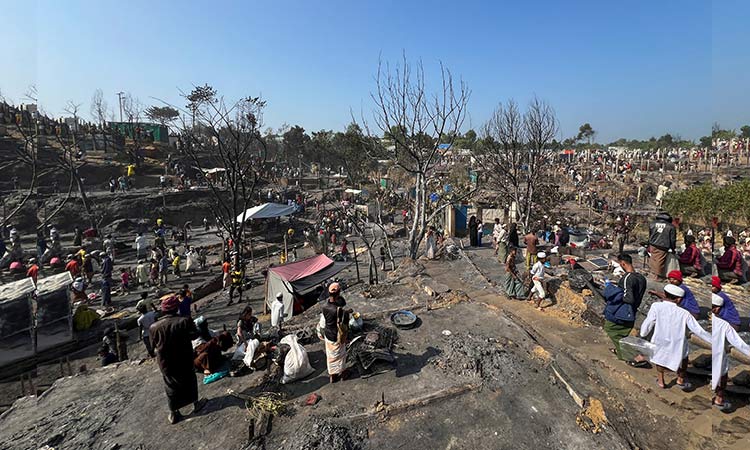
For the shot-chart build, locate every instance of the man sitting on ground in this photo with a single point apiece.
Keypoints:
(728, 311)
(690, 260)
(729, 264)
(688, 302)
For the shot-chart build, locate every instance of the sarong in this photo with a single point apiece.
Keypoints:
(335, 357)
(658, 261)
(514, 288)
(616, 332)
(502, 252)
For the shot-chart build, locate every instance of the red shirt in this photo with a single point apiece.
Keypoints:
(73, 268)
(225, 267)
(33, 272)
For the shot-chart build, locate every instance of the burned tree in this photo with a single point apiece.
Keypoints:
(99, 109)
(417, 123)
(25, 155)
(514, 150)
(226, 137)
(68, 160)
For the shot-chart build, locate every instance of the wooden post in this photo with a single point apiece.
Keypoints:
(356, 260)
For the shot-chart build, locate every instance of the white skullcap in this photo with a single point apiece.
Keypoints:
(674, 290)
(541, 255)
(717, 300)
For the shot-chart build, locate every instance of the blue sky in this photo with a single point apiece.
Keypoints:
(631, 69)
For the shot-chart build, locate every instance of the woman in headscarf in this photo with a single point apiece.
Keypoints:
(335, 332)
(513, 235)
(473, 225)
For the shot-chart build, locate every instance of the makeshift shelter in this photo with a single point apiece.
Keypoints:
(16, 320)
(296, 279)
(266, 211)
(54, 317)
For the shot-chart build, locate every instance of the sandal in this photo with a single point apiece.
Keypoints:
(638, 364)
(660, 385)
(723, 407)
(686, 386)
(613, 351)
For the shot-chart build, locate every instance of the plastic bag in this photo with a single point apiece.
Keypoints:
(296, 364)
(672, 263)
(632, 346)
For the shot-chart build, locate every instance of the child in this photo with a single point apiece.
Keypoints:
(125, 281)
(145, 320)
(176, 265)
(163, 265)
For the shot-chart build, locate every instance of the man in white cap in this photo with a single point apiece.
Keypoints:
(277, 311)
(721, 333)
(537, 277)
(668, 321)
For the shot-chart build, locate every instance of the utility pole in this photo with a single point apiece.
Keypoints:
(119, 99)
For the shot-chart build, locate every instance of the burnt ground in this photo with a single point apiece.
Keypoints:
(629, 395)
(486, 385)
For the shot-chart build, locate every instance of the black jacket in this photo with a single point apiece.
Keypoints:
(662, 233)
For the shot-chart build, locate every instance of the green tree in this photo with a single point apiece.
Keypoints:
(294, 143)
(586, 133)
(745, 132)
(467, 140)
(162, 114)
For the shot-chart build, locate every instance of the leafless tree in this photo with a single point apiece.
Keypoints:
(514, 152)
(133, 109)
(31, 94)
(226, 135)
(68, 161)
(417, 122)
(99, 109)
(26, 155)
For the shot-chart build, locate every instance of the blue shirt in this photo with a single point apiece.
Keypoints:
(728, 311)
(184, 308)
(688, 302)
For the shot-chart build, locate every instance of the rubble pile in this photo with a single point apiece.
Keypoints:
(579, 307)
(493, 360)
(318, 434)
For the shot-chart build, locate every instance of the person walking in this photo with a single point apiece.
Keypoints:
(531, 242)
(145, 320)
(668, 322)
(171, 337)
(513, 240)
(106, 286)
(537, 279)
(721, 333)
(141, 246)
(473, 231)
(335, 332)
(623, 301)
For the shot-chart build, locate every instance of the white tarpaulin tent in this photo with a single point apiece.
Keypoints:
(266, 211)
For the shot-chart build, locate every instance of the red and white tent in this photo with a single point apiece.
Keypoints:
(299, 278)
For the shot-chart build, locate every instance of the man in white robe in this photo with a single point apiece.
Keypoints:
(721, 333)
(668, 322)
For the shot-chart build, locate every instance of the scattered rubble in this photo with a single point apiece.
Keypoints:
(475, 356)
(317, 434)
